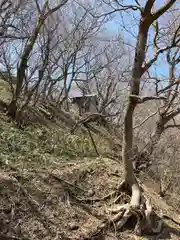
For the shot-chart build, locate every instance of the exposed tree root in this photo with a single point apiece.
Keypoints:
(113, 194)
(139, 209)
(165, 216)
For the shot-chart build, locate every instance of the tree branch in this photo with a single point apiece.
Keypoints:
(145, 99)
(172, 126)
(156, 27)
(172, 114)
(162, 10)
(121, 8)
(150, 63)
(52, 10)
(145, 120)
(148, 7)
(169, 86)
(90, 118)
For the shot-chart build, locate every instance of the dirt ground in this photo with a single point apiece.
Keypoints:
(49, 180)
(49, 203)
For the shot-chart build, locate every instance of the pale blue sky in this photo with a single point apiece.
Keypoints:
(130, 21)
(129, 32)
(131, 24)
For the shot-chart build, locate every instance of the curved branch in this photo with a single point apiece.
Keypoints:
(163, 9)
(90, 118)
(145, 120)
(145, 99)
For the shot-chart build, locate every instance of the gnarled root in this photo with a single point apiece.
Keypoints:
(139, 208)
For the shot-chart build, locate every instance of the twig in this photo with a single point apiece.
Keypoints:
(146, 119)
(106, 197)
(87, 208)
(36, 206)
(169, 86)
(172, 126)
(90, 118)
(66, 182)
(103, 226)
(30, 198)
(92, 139)
(170, 218)
(12, 216)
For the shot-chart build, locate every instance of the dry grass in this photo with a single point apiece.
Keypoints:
(5, 91)
(36, 205)
(29, 156)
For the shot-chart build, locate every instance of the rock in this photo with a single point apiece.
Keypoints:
(90, 193)
(73, 226)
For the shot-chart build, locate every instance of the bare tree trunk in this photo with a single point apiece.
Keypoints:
(161, 126)
(12, 109)
(22, 68)
(137, 72)
(147, 18)
(127, 146)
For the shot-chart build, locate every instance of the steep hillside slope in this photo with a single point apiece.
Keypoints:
(48, 181)
(54, 184)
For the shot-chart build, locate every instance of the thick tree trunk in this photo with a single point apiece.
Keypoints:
(127, 146)
(45, 12)
(22, 68)
(129, 176)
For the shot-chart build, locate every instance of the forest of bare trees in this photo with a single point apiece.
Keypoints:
(127, 52)
(48, 48)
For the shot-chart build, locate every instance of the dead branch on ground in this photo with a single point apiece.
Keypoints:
(90, 118)
(62, 181)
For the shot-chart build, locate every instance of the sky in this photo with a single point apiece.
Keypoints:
(129, 32)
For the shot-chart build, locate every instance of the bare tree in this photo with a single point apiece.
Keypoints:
(67, 60)
(164, 112)
(139, 67)
(103, 74)
(44, 13)
(139, 204)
